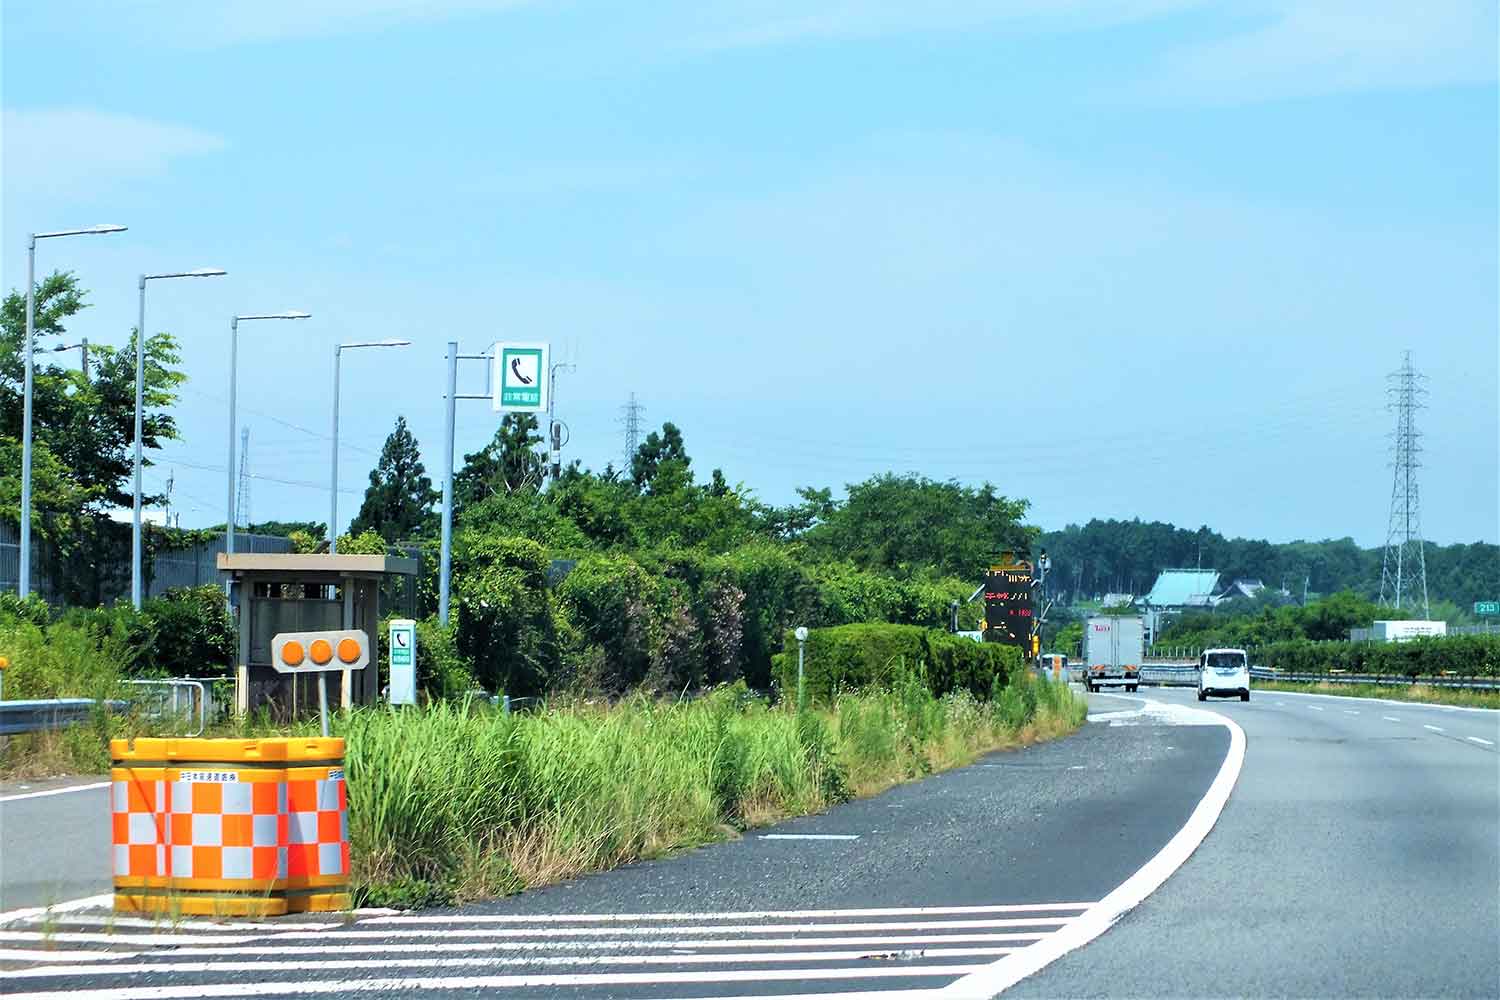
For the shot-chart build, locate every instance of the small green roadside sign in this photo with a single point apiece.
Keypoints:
(520, 377)
(1487, 607)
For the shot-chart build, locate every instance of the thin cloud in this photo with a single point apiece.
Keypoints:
(68, 152)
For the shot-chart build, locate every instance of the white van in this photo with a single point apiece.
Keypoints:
(1224, 672)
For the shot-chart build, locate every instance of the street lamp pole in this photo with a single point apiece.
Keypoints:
(333, 469)
(140, 391)
(24, 585)
(234, 350)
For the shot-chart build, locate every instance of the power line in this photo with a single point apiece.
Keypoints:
(1404, 565)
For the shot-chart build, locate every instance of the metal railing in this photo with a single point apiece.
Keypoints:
(172, 700)
(41, 714)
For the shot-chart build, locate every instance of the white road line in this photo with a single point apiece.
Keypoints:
(1476, 739)
(54, 791)
(349, 965)
(70, 937)
(82, 903)
(24, 955)
(632, 918)
(166, 924)
(1436, 729)
(1350, 711)
(893, 970)
(1391, 702)
(993, 979)
(450, 947)
(809, 836)
(1315, 708)
(1390, 718)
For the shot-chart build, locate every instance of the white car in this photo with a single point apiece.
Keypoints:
(1223, 672)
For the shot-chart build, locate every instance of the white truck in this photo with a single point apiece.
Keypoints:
(1113, 648)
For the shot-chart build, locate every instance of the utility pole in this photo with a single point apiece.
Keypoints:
(554, 429)
(1403, 570)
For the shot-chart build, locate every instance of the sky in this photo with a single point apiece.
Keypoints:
(1122, 258)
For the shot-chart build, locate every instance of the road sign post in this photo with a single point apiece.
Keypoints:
(1487, 608)
(403, 646)
(520, 380)
(320, 653)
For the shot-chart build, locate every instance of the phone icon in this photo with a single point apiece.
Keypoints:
(515, 369)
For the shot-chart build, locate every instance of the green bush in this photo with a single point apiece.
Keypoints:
(778, 593)
(852, 657)
(186, 632)
(504, 624)
(28, 609)
(1466, 655)
(613, 601)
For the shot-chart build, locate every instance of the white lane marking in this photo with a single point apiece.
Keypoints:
(1282, 704)
(1391, 702)
(459, 947)
(632, 918)
(1001, 975)
(809, 836)
(730, 958)
(54, 791)
(1350, 711)
(82, 903)
(1390, 718)
(1476, 739)
(70, 937)
(1436, 729)
(894, 970)
(24, 955)
(1315, 708)
(166, 924)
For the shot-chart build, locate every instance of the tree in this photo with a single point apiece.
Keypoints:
(86, 420)
(510, 462)
(661, 455)
(398, 502)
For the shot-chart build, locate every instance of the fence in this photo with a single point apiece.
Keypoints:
(59, 578)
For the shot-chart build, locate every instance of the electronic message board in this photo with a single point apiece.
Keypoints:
(1008, 614)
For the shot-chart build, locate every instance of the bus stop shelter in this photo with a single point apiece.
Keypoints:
(291, 592)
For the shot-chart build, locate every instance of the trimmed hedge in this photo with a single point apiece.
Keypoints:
(849, 657)
(1465, 655)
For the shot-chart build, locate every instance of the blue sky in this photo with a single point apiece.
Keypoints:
(1120, 257)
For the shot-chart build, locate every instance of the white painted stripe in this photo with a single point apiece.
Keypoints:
(1436, 729)
(84, 937)
(82, 903)
(54, 791)
(1390, 718)
(1001, 975)
(633, 918)
(24, 955)
(1476, 739)
(457, 947)
(1389, 702)
(580, 961)
(1315, 708)
(167, 924)
(894, 970)
(1350, 711)
(809, 836)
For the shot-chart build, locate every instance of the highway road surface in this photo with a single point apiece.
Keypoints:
(1357, 854)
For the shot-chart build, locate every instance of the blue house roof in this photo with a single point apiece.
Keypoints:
(1184, 588)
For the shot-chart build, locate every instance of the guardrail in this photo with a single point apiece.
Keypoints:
(174, 699)
(49, 713)
(1401, 680)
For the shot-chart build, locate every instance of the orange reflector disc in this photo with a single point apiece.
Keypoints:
(321, 651)
(292, 653)
(349, 649)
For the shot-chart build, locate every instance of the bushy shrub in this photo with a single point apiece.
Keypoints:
(186, 632)
(1466, 655)
(778, 594)
(612, 601)
(30, 608)
(504, 617)
(851, 657)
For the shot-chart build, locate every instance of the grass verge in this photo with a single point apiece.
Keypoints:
(450, 803)
(1424, 693)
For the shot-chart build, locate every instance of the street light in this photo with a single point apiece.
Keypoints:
(333, 475)
(234, 350)
(801, 635)
(83, 360)
(140, 390)
(24, 586)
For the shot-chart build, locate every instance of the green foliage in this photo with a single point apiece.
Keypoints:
(510, 463)
(31, 609)
(855, 657)
(1464, 655)
(660, 463)
(504, 619)
(906, 523)
(615, 603)
(186, 632)
(286, 529)
(1329, 618)
(366, 543)
(778, 595)
(398, 502)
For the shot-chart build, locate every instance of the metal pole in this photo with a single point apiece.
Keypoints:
(323, 700)
(801, 701)
(333, 471)
(445, 565)
(234, 346)
(135, 529)
(24, 586)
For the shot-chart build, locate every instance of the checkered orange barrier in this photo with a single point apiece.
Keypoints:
(222, 826)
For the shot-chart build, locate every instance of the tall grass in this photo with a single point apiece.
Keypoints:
(1430, 694)
(458, 801)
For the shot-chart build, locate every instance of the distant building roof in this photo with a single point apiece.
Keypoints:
(1117, 600)
(1184, 588)
(1244, 588)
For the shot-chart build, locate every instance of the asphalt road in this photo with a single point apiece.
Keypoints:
(1359, 855)
(54, 841)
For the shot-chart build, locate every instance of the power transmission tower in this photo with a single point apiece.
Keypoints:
(242, 495)
(632, 423)
(1403, 570)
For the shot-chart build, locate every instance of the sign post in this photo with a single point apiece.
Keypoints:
(403, 643)
(520, 381)
(320, 653)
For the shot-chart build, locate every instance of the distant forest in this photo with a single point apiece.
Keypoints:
(1125, 557)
